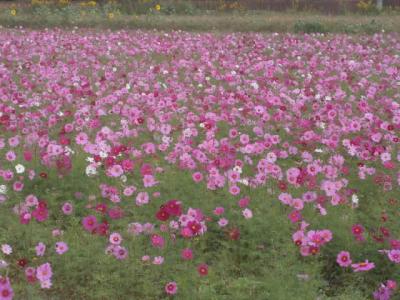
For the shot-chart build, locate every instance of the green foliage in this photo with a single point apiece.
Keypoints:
(309, 27)
(263, 264)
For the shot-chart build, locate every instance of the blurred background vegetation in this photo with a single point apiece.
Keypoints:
(348, 16)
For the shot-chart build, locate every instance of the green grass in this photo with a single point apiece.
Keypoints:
(263, 264)
(258, 22)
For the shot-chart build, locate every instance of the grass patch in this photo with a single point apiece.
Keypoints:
(248, 22)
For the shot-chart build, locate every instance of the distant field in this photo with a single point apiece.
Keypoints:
(257, 22)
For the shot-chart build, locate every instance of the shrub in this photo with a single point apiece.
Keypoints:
(309, 27)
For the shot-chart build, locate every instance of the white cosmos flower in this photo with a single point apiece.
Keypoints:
(123, 178)
(318, 150)
(354, 200)
(91, 170)
(103, 154)
(19, 169)
(6, 249)
(3, 189)
(244, 181)
(237, 169)
(90, 159)
(3, 264)
(254, 85)
(69, 150)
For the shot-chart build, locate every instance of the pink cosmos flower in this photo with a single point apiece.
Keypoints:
(394, 256)
(45, 284)
(135, 228)
(149, 181)
(197, 177)
(247, 213)
(158, 260)
(115, 238)
(40, 249)
(222, 222)
(142, 198)
(44, 272)
(234, 190)
(6, 291)
(218, 211)
(363, 266)
(82, 138)
(61, 247)
(343, 259)
(115, 171)
(120, 252)
(391, 284)
(67, 208)
(129, 190)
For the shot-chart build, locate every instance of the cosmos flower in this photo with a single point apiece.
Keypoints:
(171, 288)
(363, 266)
(61, 247)
(343, 259)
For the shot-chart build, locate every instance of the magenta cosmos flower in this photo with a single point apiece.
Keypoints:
(171, 288)
(157, 241)
(357, 229)
(187, 254)
(89, 223)
(202, 269)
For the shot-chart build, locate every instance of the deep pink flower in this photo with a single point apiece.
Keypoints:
(202, 269)
(187, 254)
(40, 214)
(171, 288)
(357, 229)
(89, 223)
(157, 241)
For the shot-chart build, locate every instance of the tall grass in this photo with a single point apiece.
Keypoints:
(112, 18)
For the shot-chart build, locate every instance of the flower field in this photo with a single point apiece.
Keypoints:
(151, 165)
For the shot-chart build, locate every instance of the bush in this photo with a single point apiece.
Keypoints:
(309, 27)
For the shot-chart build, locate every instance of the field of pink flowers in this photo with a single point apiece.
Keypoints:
(145, 165)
